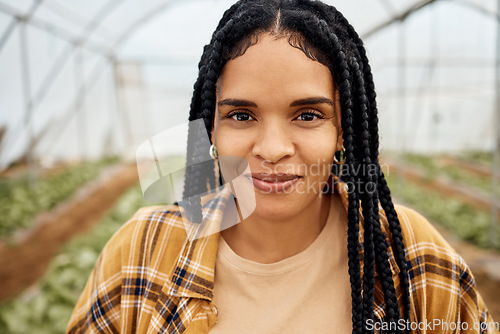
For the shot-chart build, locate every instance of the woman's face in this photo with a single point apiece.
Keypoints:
(278, 109)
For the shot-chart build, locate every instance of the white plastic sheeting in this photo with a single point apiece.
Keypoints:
(88, 78)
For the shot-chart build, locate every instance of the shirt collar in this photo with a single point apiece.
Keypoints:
(193, 274)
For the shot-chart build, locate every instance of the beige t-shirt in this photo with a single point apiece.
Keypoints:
(306, 293)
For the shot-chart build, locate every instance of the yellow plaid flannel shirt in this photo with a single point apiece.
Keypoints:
(151, 279)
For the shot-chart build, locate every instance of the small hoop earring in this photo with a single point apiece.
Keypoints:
(213, 152)
(342, 158)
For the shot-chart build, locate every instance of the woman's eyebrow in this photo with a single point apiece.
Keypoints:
(236, 103)
(311, 100)
(297, 103)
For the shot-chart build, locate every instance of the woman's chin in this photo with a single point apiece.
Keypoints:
(272, 207)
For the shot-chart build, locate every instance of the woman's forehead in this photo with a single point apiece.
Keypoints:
(272, 65)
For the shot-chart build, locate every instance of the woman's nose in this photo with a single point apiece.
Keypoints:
(273, 143)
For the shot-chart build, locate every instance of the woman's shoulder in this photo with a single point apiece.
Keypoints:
(439, 277)
(152, 233)
(132, 269)
(430, 258)
(417, 229)
(153, 219)
(424, 244)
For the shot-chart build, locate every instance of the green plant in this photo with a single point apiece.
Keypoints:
(461, 219)
(434, 168)
(20, 201)
(46, 307)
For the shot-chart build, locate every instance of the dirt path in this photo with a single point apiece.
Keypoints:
(25, 258)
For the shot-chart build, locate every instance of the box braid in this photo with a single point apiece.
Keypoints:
(326, 36)
(366, 198)
(382, 188)
(371, 208)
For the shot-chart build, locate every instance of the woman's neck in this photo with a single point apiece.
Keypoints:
(266, 241)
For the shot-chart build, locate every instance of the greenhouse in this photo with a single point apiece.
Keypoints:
(86, 84)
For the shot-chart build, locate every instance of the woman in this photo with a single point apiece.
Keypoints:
(285, 85)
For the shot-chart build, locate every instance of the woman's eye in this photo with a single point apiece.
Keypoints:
(241, 117)
(309, 116)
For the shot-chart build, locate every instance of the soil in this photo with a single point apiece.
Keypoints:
(25, 258)
(445, 187)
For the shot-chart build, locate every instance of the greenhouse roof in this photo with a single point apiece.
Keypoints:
(70, 68)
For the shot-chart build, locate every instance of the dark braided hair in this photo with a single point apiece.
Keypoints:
(323, 34)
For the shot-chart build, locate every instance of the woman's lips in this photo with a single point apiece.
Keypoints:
(274, 183)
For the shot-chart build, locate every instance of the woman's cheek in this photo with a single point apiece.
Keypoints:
(319, 146)
(232, 142)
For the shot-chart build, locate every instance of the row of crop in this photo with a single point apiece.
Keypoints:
(46, 307)
(461, 219)
(21, 199)
(434, 167)
(483, 158)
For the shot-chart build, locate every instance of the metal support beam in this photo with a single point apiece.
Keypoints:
(398, 18)
(66, 11)
(28, 107)
(479, 8)
(387, 7)
(399, 122)
(79, 75)
(82, 40)
(111, 145)
(59, 126)
(495, 179)
(436, 104)
(56, 31)
(400, 127)
(16, 20)
(402, 16)
(8, 31)
(122, 106)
